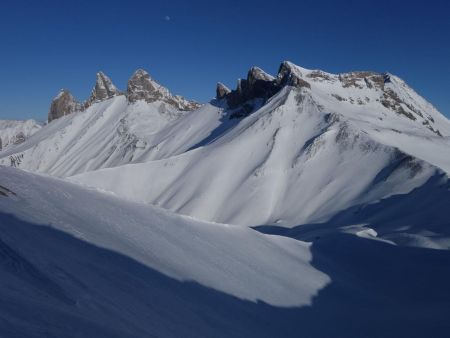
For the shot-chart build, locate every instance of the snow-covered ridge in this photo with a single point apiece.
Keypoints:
(287, 163)
(287, 149)
(142, 87)
(362, 88)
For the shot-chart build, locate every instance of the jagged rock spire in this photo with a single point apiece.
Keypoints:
(290, 75)
(103, 89)
(256, 74)
(260, 84)
(142, 87)
(63, 104)
(221, 91)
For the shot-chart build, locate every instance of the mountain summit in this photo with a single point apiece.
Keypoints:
(63, 104)
(142, 87)
(104, 89)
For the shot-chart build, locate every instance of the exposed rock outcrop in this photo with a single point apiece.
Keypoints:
(259, 84)
(142, 87)
(104, 89)
(63, 104)
(290, 75)
(221, 91)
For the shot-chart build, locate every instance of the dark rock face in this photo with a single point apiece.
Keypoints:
(289, 75)
(261, 85)
(221, 91)
(20, 138)
(104, 89)
(256, 74)
(142, 87)
(63, 104)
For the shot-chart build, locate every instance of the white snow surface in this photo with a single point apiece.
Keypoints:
(290, 162)
(79, 263)
(238, 261)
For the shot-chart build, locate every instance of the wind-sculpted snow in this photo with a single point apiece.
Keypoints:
(80, 263)
(231, 259)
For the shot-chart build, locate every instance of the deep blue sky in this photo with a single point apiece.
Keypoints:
(47, 45)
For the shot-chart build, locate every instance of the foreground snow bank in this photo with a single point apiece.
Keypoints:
(235, 260)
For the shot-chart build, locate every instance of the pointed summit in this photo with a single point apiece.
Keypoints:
(257, 74)
(63, 104)
(290, 75)
(258, 84)
(103, 89)
(221, 91)
(142, 87)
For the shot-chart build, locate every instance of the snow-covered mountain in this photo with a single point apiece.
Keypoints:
(109, 129)
(320, 144)
(147, 230)
(289, 149)
(13, 132)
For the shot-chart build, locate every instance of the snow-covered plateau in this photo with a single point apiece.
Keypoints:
(305, 204)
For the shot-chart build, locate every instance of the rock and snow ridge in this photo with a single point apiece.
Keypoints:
(140, 87)
(283, 149)
(320, 145)
(402, 100)
(104, 89)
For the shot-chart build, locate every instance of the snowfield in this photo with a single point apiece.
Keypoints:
(76, 262)
(235, 260)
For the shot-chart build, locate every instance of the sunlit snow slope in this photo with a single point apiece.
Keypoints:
(303, 156)
(293, 149)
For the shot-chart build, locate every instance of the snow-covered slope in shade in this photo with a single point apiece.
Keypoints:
(79, 263)
(13, 132)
